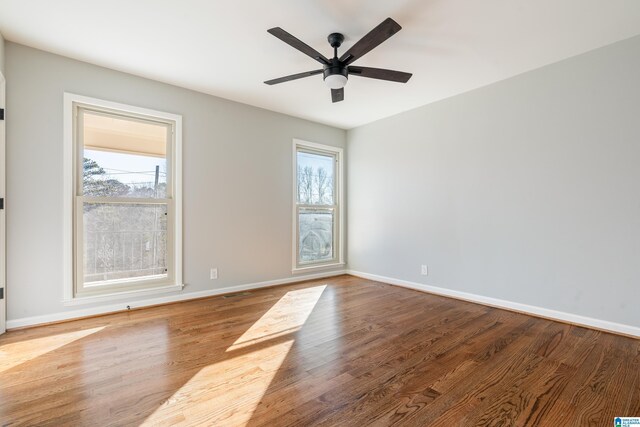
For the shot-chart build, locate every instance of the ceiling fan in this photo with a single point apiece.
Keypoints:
(336, 70)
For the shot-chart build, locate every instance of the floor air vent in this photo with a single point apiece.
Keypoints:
(239, 294)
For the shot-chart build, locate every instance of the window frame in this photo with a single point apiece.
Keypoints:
(338, 210)
(74, 289)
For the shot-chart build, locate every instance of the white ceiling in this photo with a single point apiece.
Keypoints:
(223, 48)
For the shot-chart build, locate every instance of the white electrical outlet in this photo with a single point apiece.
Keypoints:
(214, 273)
(425, 270)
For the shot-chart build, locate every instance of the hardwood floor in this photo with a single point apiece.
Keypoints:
(339, 351)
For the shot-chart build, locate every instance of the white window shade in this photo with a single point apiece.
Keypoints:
(106, 132)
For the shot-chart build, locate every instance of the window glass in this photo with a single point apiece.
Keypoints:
(315, 231)
(124, 241)
(315, 178)
(123, 157)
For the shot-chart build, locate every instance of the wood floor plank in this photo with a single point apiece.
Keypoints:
(341, 351)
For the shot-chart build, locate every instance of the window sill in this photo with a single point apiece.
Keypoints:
(300, 270)
(121, 295)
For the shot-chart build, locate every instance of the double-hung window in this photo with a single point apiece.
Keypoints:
(317, 212)
(126, 222)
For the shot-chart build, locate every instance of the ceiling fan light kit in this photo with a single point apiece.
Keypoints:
(335, 81)
(336, 71)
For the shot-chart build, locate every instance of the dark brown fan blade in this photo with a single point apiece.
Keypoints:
(293, 77)
(337, 95)
(380, 73)
(386, 29)
(298, 44)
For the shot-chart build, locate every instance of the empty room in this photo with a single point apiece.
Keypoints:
(320, 213)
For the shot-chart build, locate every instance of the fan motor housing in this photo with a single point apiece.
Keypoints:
(334, 67)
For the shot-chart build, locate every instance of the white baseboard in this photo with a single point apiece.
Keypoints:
(589, 322)
(546, 313)
(121, 306)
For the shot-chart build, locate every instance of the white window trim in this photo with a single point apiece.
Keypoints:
(339, 188)
(68, 293)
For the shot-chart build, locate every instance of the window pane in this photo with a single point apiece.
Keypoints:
(123, 241)
(123, 157)
(315, 178)
(108, 174)
(315, 234)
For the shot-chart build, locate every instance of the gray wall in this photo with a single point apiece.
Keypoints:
(237, 177)
(1, 55)
(527, 190)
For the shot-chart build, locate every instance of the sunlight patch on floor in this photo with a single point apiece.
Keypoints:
(35, 347)
(285, 317)
(253, 361)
